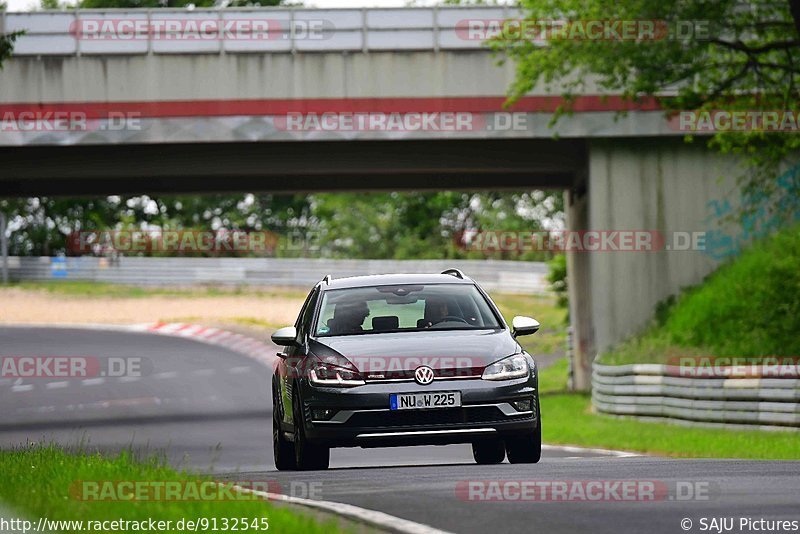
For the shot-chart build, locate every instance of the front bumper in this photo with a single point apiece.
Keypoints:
(363, 418)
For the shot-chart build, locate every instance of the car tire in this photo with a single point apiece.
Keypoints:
(282, 448)
(308, 456)
(488, 451)
(527, 448)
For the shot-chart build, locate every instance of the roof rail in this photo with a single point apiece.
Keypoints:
(327, 279)
(454, 272)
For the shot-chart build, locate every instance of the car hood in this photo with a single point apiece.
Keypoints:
(405, 351)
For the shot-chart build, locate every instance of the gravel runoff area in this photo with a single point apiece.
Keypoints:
(22, 306)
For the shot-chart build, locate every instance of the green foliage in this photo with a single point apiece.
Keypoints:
(740, 57)
(748, 308)
(7, 43)
(425, 225)
(558, 278)
(348, 225)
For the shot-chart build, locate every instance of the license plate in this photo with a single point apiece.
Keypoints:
(424, 401)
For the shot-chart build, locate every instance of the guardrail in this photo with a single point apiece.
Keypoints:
(494, 275)
(248, 30)
(731, 397)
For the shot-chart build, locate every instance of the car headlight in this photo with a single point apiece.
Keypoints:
(334, 371)
(507, 368)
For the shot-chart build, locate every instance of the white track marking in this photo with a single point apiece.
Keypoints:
(129, 378)
(93, 381)
(165, 374)
(239, 370)
(56, 385)
(604, 452)
(21, 387)
(373, 517)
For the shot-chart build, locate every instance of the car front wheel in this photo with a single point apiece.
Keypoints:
(308, 456)
(527, 448)
(488, 451)
(282, 448)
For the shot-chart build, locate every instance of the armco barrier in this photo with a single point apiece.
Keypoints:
(494, 275)
(730, 398)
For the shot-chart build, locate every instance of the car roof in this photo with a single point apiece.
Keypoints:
(392, 279)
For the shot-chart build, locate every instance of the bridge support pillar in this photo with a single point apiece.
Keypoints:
(579, 288)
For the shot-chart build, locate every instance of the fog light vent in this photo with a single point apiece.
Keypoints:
(322, 414)
(525, 405)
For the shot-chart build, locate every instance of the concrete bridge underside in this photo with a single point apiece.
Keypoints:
(287, 167)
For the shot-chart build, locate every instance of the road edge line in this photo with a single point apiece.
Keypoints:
(350, 511)
(595, 450)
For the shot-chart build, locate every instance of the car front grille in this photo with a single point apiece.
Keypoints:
(411, 418)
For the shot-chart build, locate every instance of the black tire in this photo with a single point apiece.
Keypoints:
(527, 448)
(308, 456)
(282, 448)
(490, 451)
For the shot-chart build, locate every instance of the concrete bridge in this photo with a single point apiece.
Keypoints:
(149, 101)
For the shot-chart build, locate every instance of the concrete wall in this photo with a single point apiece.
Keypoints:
(646, 184)
(252, 76)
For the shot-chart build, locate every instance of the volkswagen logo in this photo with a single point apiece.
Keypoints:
(423, 375)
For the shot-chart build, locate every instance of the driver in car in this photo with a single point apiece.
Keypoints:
(435, 310)
(348, 318)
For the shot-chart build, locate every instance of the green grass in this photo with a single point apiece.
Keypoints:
(78, 288)
(44, 481)
(567, 419)
(552, 337)
(749, 307)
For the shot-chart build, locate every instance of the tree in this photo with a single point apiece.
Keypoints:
(737, 56)
(6, 42)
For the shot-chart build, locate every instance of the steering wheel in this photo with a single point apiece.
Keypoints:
(451, 318)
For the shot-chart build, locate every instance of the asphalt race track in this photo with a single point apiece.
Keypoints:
(209, 409)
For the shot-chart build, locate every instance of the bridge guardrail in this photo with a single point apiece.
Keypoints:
(249, 30)
(494, 275)
(730, 398)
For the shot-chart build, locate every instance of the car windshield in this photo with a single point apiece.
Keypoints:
(401, 308)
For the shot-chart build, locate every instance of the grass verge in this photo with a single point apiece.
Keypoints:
(79, 288)
(46, 481)
(553, 335)
(568, 420)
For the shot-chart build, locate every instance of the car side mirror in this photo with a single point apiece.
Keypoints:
(285, 337)
(524, 326)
